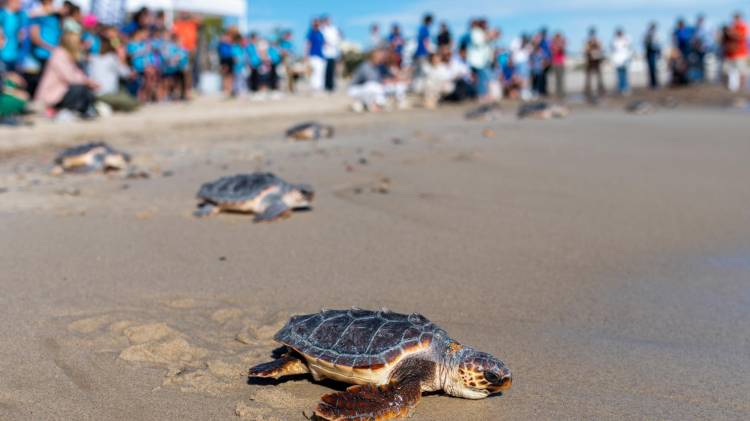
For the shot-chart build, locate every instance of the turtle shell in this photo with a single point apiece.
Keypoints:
(238, 188)
(359, 339)
(531, 108)
(84, 149)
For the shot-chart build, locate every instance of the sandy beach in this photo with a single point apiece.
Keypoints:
(604, 257)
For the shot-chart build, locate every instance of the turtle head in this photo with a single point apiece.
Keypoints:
(116, 161)
(476, 375)
(302, 195)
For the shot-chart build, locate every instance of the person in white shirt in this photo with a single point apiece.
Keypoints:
(107, 69)
(479, 56)
(622, 53)
(331, 50)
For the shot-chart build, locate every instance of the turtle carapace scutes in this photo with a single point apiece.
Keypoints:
(261, 193)
(310, 130)
(90, 157)
(390, 358)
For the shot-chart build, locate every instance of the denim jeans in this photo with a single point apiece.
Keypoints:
(622, 79)
(483, 80)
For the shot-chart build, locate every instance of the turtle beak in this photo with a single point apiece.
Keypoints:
(500, 382)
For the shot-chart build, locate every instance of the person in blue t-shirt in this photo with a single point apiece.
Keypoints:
(45, 32)
(424, 45)
(315, 42)
(13, 23)
(175, 64)
(396, 42)
(546, 52)
(226, 61)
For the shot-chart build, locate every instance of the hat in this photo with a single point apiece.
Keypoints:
(90, 21)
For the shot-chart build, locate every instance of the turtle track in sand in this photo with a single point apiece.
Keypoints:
(202, 346)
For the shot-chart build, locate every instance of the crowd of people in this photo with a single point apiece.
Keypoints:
(77, 66)
(477, 65)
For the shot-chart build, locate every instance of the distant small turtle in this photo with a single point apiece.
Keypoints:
(310, 130)
(95, 156)
(542, 110)
(640, 107)
(488, 111)
(263, 194)
(391, 359)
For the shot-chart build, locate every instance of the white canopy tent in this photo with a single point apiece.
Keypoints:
(229, 8)
(236, 8)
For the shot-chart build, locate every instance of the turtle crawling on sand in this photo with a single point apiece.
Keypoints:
(542, 110)
(489, 111)
(264, 194)
(390, 358)
(90, 157)
(639, 107)
(310, 130)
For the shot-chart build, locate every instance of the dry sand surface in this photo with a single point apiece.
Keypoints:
(604, 257)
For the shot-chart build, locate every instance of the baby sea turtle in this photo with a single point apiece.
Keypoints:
(264, 194)
(95, 156)
(484, 112)
(390, 358)
(310, 130)
(542, 110)
(639, 107)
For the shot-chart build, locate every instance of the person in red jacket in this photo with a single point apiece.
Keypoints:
(737, 54)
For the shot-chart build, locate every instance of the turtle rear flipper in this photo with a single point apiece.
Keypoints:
(370, 402)
(287, 365)
(275, 210)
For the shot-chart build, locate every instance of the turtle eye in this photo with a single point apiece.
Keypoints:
(492, 377)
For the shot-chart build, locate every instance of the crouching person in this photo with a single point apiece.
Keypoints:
(64, 86)
(367, 87)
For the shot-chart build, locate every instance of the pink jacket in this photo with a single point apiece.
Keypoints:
(60, 73)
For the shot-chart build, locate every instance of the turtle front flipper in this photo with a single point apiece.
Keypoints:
(276, 209)
(205, 209)
(370, 402)
(286, 365)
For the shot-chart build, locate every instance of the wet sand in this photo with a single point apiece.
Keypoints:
(604, 257)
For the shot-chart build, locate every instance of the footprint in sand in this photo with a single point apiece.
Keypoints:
(203, 346)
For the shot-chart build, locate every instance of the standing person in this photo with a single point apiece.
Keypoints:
(537, 64)
(622, 53)
(226, 62)
(545, 47)
(396, 42)
(700, 45)
(444, 37)
(187, 28)
(558, 50)
(45, 31)
(286, 50)
(736, 54)
(479, 57)
(331, 51)
(652, 48)
(520, 54)
(254, 61)
(424, 45)
(13, 22)
(315, 58)
(375, 38)
(594, 59)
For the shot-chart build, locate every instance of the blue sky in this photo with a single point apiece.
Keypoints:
(571, 16)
